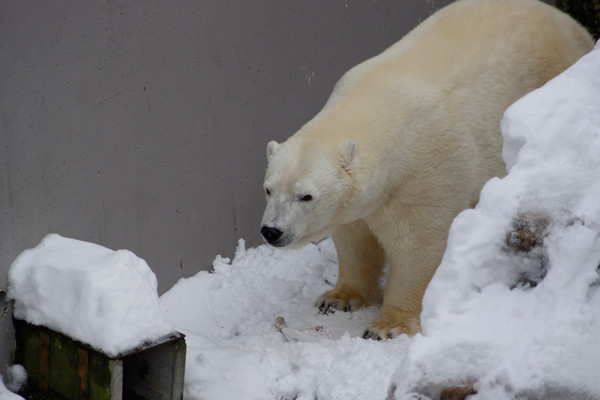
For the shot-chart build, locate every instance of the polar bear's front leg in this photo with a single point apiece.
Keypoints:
(402, 304)
(414, 242)
(361, 261)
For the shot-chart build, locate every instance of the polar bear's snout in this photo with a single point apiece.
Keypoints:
(271, 235)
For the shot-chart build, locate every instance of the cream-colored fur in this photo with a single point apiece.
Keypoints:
(405, 142)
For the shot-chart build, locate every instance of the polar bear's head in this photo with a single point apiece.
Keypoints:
(307, 185)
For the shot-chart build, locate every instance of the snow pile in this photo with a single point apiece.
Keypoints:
(15, 380)
(253, 331)
(514, 308)
(6, 394)
(101, 297)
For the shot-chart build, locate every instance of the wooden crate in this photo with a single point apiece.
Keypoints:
(61, 368)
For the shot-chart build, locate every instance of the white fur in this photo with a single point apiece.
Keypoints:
(406, 141)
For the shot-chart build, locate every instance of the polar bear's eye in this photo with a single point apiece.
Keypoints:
(267, 191)
(308, 197)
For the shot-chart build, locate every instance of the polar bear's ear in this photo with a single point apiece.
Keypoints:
(348, 151)
(272, 147)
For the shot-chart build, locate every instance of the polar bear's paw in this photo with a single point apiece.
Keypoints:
(393, 324)
(340, 299)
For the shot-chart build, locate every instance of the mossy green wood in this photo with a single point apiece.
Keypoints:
(60, 368)
(27, 351)
(62, 371)
(104, 379)
(62, 378)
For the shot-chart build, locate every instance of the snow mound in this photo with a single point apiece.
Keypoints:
(16, 378)
(101, 297)
(514, 308)
(253, 331)
(6, 394)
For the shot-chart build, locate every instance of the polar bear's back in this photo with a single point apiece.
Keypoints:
(473, 57)
(479, 33)
(462, 40)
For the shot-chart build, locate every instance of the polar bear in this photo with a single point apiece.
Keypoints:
(405, 142)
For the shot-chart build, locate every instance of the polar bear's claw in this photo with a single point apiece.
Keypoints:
(393, 323)
(329, 303)
(326, 306)
(329, 306)
(371, 335)
(375, 335)
(339, 299)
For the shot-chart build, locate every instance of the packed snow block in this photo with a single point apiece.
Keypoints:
(61, 368)
(89, 326)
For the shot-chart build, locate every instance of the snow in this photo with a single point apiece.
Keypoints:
(6, 394)
(253, 331)
(513, 310)
(101, 297)
(16, 378)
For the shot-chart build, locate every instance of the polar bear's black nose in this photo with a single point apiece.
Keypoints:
(271, 234)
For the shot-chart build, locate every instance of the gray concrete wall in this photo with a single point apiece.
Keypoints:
(143, 124)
